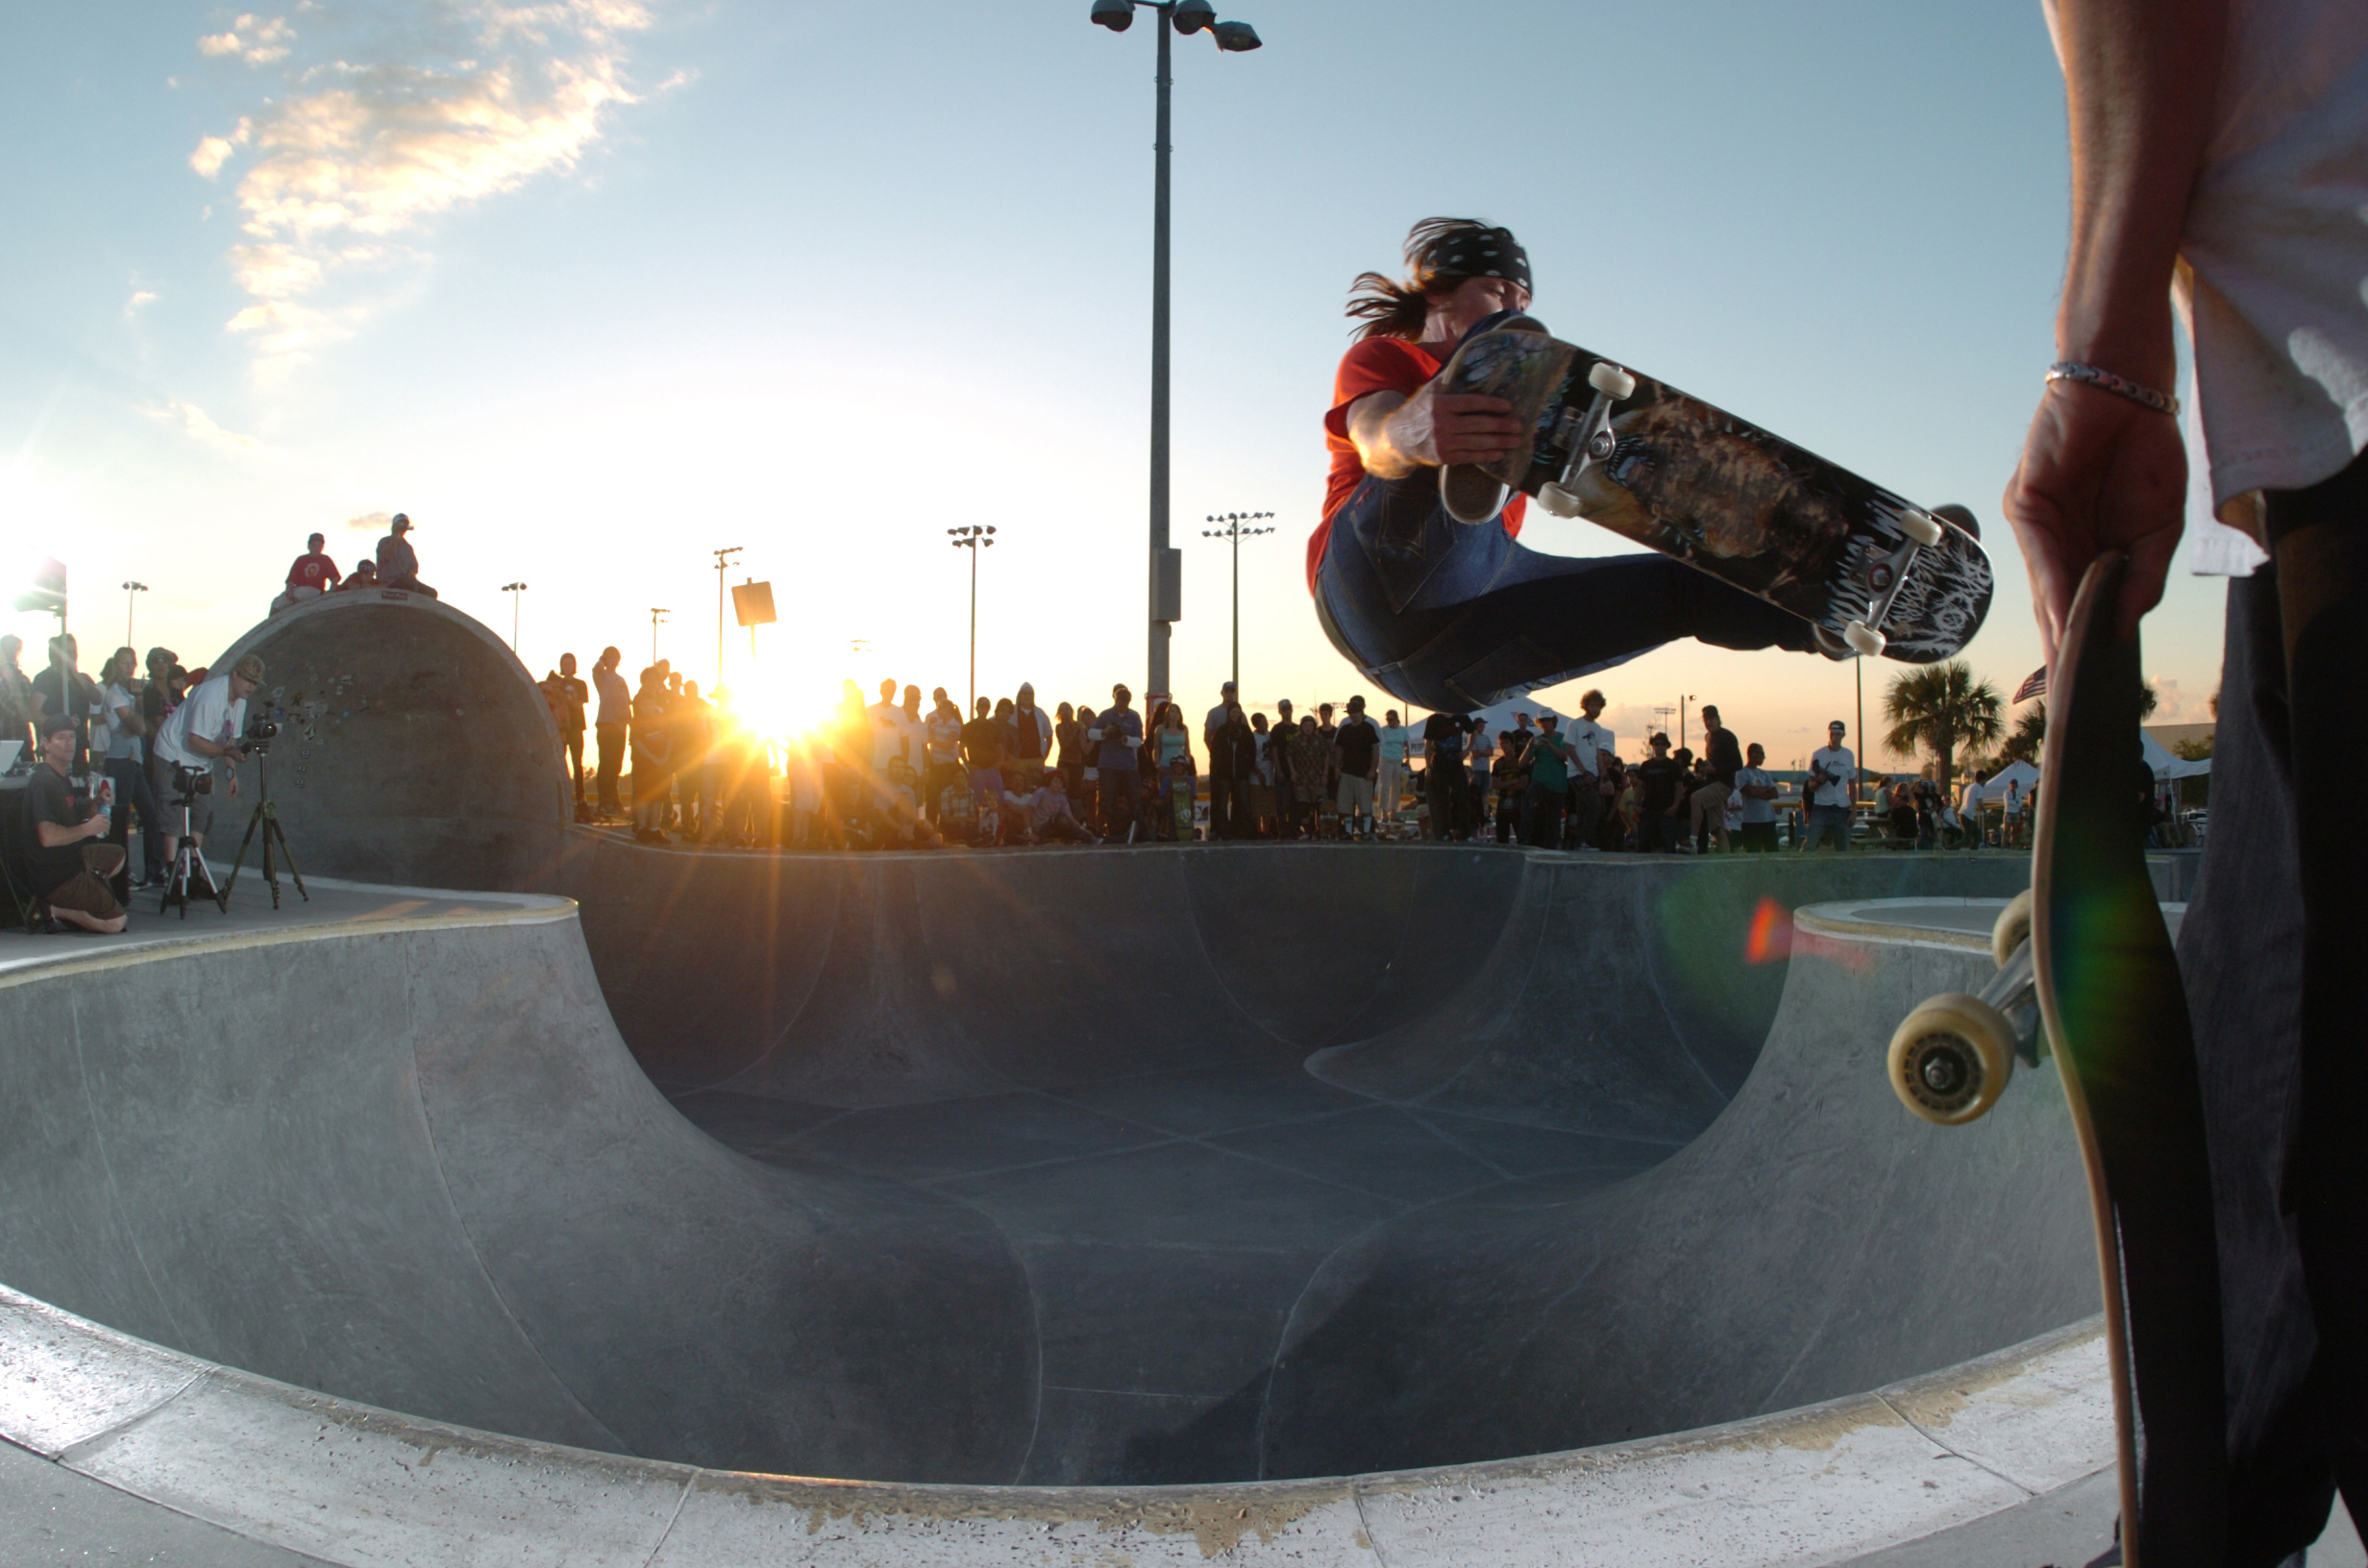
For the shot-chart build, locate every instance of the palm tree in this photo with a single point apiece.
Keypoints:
(2028, 737)
(1939, 707)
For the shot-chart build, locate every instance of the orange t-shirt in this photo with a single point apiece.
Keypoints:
(1375, 364)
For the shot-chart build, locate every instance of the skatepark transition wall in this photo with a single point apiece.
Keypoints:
(436, 1169)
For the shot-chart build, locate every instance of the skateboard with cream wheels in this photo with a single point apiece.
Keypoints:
(1876, 573)
(2086, 973)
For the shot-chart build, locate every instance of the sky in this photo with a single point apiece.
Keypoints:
(592, 288)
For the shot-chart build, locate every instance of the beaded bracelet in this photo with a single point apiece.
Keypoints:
(2161, 402)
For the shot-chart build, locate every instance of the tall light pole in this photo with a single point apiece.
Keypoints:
(656, 616)
(131, 602)
(722, 557)
(517, 591)
(1235, 529)
(974, 539)
(1167, 566)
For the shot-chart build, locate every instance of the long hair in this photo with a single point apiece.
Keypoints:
(1399, 309)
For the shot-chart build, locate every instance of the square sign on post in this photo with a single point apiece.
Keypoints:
(751, 603)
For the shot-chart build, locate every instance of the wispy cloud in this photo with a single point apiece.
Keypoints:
(344, 176)
(370, 523)
(251, 38)
(201, 427)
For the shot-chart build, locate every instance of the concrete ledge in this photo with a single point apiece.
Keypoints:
(351, 1485)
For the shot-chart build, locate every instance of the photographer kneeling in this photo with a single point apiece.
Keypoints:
(69, 869)
(204, 729)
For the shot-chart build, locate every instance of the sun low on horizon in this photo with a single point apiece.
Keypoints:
(592, 289)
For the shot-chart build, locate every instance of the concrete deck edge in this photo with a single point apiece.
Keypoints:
(351, 1484)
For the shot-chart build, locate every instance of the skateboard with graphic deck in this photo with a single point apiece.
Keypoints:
(1874, 572)
(2086, 970)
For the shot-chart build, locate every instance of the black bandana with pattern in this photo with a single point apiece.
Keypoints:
(1484, 252)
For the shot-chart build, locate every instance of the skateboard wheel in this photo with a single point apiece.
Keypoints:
(1558, 501)
(1864, 639)
(1606, 377)
(1925, 531)
(2013, 928)
(1951, 1057)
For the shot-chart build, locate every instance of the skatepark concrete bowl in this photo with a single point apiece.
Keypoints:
(1325, 1202)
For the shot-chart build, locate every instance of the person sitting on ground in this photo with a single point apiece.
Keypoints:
(1045, 815)
(70, 869)
(365, 575)
(902, 824)
(312, 575)
(398, 561)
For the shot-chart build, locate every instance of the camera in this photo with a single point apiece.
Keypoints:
(189, 783)
(261, 732)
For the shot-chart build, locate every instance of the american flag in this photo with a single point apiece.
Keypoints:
(2036, 686)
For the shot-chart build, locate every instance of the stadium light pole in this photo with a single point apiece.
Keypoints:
(1236, 531)
(131, 603)
(723, 558)
(974, 539)
(1185, 16)
(517, 591)
(656, 615)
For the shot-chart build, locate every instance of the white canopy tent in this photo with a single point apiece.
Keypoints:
(2166, 765)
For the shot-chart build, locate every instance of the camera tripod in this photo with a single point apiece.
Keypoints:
(266, 817)
(188, 864)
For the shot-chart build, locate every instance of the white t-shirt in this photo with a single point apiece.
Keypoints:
(2273, 264)
(1973, 798)
(887, 733)
(1838, 763)
(1586, 738)
(2015, 800)
(121, 743)
(209, 714)
(1753, 810)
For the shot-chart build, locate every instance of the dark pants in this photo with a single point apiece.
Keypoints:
(2271, 952)
(1758, 838)
(132, 793)
(1224, 802)
(1121, 791)
(1443, 788)
(1587, 806)
(575, 761)
(1542, 817)
(1452, 617)
(612, 766)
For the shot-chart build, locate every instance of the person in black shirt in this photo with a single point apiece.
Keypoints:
(1233, 762)
(1659, 779)
(1444, 782)
(71, 867)
(63, 691)
(1356, 758)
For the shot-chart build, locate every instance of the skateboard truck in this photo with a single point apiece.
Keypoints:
(1951, 1057)
(1887, 576)
(1588, 437)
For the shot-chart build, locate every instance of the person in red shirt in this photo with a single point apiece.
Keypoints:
(1452, 617)
(312, 575)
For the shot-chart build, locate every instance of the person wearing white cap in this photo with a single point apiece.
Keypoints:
(398, 561)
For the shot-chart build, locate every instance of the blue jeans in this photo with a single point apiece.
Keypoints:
(1451, 617)
(1827, 820)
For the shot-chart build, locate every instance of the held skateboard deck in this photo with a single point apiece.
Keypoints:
(1669, 470)
(2087, 967)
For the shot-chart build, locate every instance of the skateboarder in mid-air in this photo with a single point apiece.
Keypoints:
(1452, 617)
